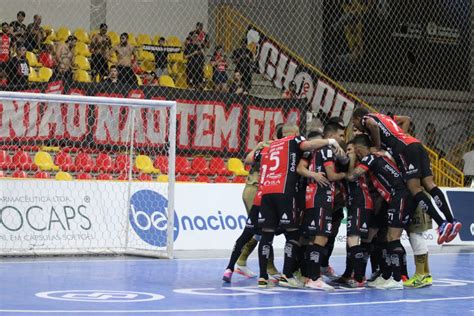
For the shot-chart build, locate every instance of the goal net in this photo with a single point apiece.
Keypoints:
(93, 138)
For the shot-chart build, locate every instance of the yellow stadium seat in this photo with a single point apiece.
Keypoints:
(51, 37)
(82, 36)
(176, 58)
(32, 59)
(62, 34)
(131, 39)
(44, 161)
(82, 49)
(139, 80)
(145, 164)
(181, 81)
(45, 74)
(48, 28)
(143, 39)
(148, 65)
(82, 62)
(166, 81)
(48, 42)
(236, 166)
(82, 76)
(33, 75)
(162, 178)
(148, 56)
(114, 38)
(50, 148)
(64, 176)
(208, 72)
(93, 32)
(173, 41)
(50, 34)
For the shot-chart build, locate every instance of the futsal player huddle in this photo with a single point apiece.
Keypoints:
(383, 178)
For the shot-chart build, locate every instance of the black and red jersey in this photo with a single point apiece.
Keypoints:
(392, 137)
(359, 194)
(278, 164)
(320, 196)
(385, 175)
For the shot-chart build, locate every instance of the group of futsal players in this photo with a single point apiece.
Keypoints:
(299, 187)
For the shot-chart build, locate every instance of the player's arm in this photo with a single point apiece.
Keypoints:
(356, 173)
(403, 122)
(250, 158)
(319, 177)
(332, 174)
(313, 144)
(374, 132)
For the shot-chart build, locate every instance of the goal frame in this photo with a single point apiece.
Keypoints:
(133, 104)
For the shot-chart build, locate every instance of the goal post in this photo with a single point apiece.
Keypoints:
(66, 190)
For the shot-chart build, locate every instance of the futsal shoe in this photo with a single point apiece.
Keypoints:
(319, 284)
(390, 284)
(411, 282)
(264, 283)
(427, 281)
(454, 231)
(373, 284)
(443, 232)
(227, 277)
(292, 282)
(352, 283)
(245, 271)
(329, 273)
(300, 277)
(342, 280)
(374, 275)
(274, 278)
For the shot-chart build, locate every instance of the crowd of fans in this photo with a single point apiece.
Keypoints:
(120, 62)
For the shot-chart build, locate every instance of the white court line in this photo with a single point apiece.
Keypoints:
(111, 259)
(145, 311)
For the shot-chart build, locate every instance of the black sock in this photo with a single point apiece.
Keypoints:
(245, 237)
(349, 267)
(328, 251)
(265, 250)
(395, 252)
(423, 201)
(300, 260)
(403, 262)
(314, 253)
(376, 257)
(291, 253)
(385, 263)
(357, 258)
(441, 203)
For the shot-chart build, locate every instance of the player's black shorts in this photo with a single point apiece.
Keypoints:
(378, 218)
(278, 211)
(317, 222)
(358, 222)
(253, 220)
(415, 162)
(400, 210)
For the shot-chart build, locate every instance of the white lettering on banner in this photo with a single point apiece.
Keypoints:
(276, 66)
(14, 116)
(185, 112)
(268, 60)
(226, 132)
(204, 132)
(107, 127)
(256, 123)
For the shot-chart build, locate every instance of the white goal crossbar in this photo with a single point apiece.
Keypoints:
(171, 152)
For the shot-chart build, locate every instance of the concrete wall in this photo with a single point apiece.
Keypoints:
(162, 17)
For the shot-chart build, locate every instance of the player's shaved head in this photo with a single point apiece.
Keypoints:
(360, 113)
(290, 129)
(362, 140)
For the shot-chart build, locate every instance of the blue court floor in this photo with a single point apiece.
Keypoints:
(136, 286)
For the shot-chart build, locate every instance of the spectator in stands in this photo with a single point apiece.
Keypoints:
(34, 34)
(150, 79)
(161, 59)
(65, 55)
(290, 93)
(46, 57)
(202, 37)
(18, 28)
(18, 68)
(3, 78)
(468, 169)
(100, 49)
(125, 55)
(113, 75)
(219, 63)
(236, 85)
(194, 53)
(431, 139)
(243, 60)
(5, 45)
